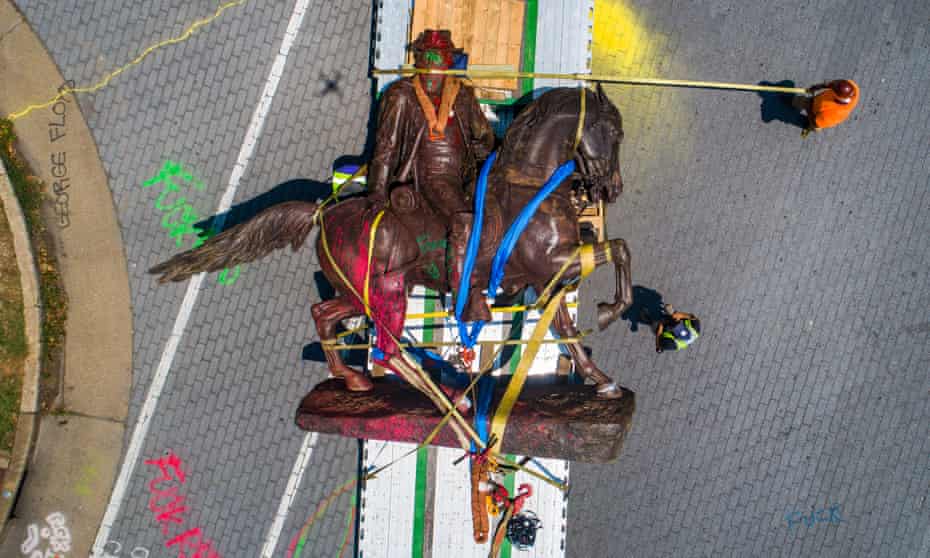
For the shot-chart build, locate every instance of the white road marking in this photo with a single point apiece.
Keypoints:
(303, 458)
(193, 288)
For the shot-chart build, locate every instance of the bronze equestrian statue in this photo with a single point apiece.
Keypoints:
(406, 248)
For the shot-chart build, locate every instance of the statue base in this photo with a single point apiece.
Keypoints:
(558, 421)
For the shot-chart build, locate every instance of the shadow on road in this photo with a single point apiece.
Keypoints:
(777, 106)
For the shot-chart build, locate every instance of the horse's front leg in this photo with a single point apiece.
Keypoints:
(615, 251)
(594, 255)
(327, 315)
(565, 328)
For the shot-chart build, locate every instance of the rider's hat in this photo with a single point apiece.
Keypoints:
(433, 39)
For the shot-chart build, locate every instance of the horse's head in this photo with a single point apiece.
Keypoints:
(597, 156)
(543, 136)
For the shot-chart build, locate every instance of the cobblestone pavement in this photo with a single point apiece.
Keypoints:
(798, 425)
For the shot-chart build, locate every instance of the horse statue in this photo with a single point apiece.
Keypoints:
(372, 254)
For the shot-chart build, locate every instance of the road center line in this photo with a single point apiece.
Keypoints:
(193, 288)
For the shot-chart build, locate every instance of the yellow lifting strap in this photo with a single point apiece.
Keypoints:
(587, 260)
(499, 422)
(371, 249)
(603, 78)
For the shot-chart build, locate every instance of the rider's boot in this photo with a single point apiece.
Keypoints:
(476, 307)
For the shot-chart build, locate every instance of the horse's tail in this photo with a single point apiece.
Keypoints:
(273, 228)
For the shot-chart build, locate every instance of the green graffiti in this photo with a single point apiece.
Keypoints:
(223, 278)
(179, 216)
(427, 245)
(433, 57)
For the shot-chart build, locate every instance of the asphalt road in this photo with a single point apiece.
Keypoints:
(797, 425)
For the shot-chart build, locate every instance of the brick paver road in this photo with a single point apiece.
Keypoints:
(807, 397)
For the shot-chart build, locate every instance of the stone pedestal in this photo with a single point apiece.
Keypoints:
(558, 421)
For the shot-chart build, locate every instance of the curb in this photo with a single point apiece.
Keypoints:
(27, 425)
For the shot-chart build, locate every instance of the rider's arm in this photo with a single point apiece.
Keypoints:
(483, 135)
(659, 329)
(384, 162)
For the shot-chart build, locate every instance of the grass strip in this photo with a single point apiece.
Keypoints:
(30, 191)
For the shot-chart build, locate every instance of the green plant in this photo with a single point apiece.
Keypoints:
(30, 191)
(10, 387)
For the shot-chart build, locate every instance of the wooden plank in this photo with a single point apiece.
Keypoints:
(492, 38)
(515, 44)
(464, 33)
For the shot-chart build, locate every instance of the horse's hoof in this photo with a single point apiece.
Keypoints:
(609, 391)
(606, 314)
(358, 382)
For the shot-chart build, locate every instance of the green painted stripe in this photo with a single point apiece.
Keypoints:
(419, 499)
(529, 42)
(509, 482)
(419, 502)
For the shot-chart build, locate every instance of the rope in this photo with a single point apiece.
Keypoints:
(604, 78)
(102, 83)
(415, 368)
(505, 342)
(371, 249)
(494, 309)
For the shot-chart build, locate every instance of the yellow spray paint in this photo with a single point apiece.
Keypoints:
(621, 40)
(624, 43)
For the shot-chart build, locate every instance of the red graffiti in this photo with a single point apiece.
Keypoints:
(166, 504)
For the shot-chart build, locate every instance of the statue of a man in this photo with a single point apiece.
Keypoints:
(431, 132)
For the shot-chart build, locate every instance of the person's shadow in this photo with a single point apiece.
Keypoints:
(777, 106)
(646, 308)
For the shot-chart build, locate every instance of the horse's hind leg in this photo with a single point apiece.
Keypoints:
(327, 315)
(565, 328)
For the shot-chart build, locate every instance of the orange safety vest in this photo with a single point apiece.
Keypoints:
(827, 112)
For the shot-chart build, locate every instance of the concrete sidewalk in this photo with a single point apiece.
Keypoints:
(77, 451)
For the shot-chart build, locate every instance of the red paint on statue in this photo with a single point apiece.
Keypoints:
(386, 292)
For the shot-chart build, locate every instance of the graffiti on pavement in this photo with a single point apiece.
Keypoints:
(54, 533)
(824, 515)
(166, 503)
(178, 215)
(58, 158)
(113, 549)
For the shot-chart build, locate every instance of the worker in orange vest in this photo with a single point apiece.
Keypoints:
(827, 104)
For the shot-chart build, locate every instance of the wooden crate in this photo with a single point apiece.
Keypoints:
(490, 31)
